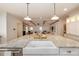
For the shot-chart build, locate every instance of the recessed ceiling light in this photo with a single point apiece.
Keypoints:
(65, 9)
(41, 17)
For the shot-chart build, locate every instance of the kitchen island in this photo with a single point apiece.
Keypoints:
(65, 45)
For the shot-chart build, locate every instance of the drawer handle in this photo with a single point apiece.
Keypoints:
(69, 51)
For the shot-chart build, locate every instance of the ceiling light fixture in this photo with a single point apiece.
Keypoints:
(40, 28)
(67, 21)
(31, 28)
(55, 17)
(65, 9)
(27, 18)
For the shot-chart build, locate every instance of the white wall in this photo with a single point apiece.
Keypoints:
(59, 27)
(3, 26)
(47, 28)
(73, 24)
(36, 28)
(7, 23)
(13, 23)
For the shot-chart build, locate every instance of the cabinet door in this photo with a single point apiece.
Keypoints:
(69, 51)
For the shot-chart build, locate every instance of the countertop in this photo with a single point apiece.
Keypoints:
(59, 41)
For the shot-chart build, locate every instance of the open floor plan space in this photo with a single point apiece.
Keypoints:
(39, 29)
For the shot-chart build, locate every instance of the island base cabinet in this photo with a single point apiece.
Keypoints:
(69, 51)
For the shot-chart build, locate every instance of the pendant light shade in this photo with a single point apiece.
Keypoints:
(55, 17)
(27, 17)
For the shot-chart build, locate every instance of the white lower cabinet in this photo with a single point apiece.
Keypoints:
(69, 51)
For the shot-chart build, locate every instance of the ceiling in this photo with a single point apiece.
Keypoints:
(37, 10)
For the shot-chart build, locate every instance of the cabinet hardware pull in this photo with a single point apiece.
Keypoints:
(69, 51)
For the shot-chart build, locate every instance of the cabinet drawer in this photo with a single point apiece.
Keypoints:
(69, 51)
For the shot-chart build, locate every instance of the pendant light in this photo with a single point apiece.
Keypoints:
(27, 18)
(55, 17)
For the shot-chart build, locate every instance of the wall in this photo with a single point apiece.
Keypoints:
(72, 23)
(46, 28)
(3, 26)
(59, 27)
(10, 27)
(14, 27)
